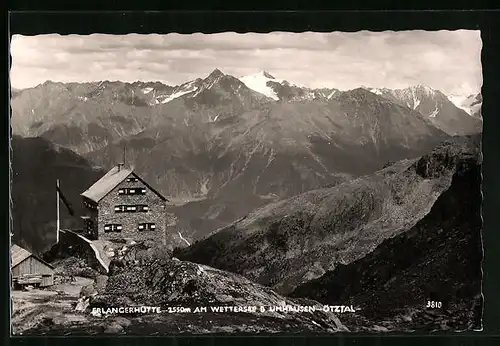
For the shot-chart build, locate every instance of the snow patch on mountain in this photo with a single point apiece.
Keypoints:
(422, 89)
(332, 94)
(258, 82)
(178, 94)
(212, 82)
(434, 112)
(147, 90)
(375, 91)
(416, 101)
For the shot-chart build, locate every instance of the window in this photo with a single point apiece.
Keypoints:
(148, 226)
(89, 205)
(131, 208)
(89, 224)
(131, 180)
(112, 227)
(143, 208)
(120, 208)
(132, 191)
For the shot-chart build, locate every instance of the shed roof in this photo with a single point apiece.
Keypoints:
(107, 183)
(19, 254)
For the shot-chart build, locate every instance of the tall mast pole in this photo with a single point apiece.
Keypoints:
(58, 220)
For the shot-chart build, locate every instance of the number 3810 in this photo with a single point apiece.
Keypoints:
(434, 305)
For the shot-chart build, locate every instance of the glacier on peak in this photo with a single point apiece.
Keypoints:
(258, 82)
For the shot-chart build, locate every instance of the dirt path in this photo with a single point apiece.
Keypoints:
(54, 305)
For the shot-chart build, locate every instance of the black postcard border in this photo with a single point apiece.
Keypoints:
(30, 23)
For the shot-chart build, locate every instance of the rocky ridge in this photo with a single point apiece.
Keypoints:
(288, 243)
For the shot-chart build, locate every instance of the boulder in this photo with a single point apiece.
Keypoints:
(122, 321)
(88, 290)
(113, 328)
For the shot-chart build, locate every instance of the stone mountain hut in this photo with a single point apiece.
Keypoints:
(122, 205)
(28, 269)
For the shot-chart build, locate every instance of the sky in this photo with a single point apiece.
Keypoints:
(449, 61)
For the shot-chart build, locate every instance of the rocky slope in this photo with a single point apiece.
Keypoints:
(87, 116)
(36, 164)
(148, 276)
(293, 241)
(82, 117)
(438, 259)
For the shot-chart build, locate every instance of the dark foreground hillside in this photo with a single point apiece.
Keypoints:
(437, 260)
(395, 241)
(36, 165)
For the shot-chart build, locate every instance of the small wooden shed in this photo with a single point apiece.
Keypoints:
(27, 269)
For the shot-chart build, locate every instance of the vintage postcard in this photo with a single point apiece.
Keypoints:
(246, 183)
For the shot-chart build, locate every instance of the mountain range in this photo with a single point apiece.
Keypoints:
(228, 145)
(434, 104)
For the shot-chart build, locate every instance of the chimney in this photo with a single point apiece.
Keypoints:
(123, 163)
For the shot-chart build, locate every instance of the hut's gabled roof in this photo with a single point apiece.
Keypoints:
(111, 180)
(107, 183)
(18, 254)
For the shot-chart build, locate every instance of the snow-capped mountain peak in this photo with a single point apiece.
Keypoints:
(259, 83)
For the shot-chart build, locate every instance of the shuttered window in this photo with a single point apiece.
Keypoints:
(142, 208)
(147, 226)
(132, 191)
(131, 208)
(112, 227)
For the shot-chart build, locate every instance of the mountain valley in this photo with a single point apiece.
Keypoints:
(293, 241)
